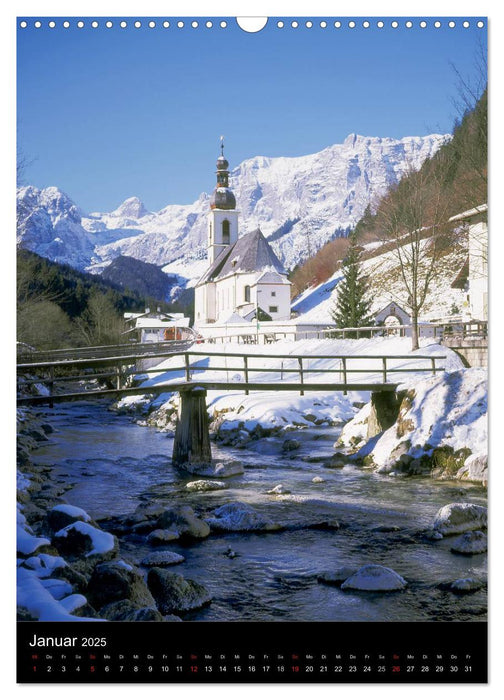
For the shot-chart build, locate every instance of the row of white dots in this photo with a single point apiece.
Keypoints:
(380, 24)
(123, 24)
(280, 24)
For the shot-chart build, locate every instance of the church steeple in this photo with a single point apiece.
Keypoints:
(223, 217)
(222, 197)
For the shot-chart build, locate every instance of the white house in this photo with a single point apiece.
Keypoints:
(157, 327)
(244, 276)
(475, 221)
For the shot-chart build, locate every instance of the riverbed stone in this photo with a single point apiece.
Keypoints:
(336, 461)
(126, 611)
(61, 515)
(237, 517)
(183, 520)
(456, 518)
(290, 445)
(474, 542)
(146, 511)
(222, 470)
(160, 536)
(466, 585)
(174, 593)
(115, 581)
(85, 546)
(374, 577)
(475, 469)
(163, 558)
(205, 485)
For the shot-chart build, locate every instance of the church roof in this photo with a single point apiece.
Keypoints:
(250, 253)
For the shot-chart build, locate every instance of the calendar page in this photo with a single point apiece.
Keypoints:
(252, 321)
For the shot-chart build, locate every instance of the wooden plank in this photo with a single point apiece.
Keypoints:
(115, 359)
(209, 385)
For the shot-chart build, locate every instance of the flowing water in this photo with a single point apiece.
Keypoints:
(114, 465)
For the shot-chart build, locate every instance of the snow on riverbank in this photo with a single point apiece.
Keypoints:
(286, 409)
(442, 424)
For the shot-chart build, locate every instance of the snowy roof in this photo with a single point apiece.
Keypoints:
(158, 323)
(390, 305)
(234, 318)
(272, 277)
(481, 209)
(250, 253)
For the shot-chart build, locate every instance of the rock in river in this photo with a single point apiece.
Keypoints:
(236, 517)
(163, 558)
(183, 520)
(455, 518)
(470, 543)
(174, 593)
(125, 611)
(222, 470)
(374, 577)
(160, 536)
(466, 585)
(205, 485)
(115, 581)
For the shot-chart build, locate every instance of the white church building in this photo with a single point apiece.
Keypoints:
(245, 282)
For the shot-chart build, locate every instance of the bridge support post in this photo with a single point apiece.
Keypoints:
(192, 438)
(385, 407)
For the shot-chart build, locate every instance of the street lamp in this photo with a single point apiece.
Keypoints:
(257, 315)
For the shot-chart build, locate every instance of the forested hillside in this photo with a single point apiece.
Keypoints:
(455, 175)
(58, 306)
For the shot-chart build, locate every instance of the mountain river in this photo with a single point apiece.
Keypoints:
(114, 465)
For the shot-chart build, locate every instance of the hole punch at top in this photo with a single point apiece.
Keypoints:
(252, 24)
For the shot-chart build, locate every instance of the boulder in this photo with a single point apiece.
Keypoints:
(115, 581)
(160, 536)
(126, 611)
(237, 517)
(84, 545)
(318, 480)
(475, 469)
(374, 577)
(163, 558)
(62, 515)
(174, 593)
(335, 462)
(474, 542)
(146, 511)
(290, 445)
(456, 518)
(222, 470)
(205, 485)
(183, 520)
(466, 585)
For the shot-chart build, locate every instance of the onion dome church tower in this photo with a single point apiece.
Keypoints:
(244, 275)
(223, 217)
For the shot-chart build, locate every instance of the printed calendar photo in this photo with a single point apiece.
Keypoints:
(252, 349)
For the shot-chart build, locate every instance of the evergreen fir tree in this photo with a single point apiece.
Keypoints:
(352, 307)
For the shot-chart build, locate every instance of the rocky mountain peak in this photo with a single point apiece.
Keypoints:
(131, 208)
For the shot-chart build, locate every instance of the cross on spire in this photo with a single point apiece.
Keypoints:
(222, 145)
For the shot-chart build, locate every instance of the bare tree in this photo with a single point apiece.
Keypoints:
(414, 223)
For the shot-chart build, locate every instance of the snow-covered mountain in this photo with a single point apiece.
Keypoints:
(299, 203)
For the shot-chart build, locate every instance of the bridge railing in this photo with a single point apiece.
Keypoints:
(244, 370)
(25, 356)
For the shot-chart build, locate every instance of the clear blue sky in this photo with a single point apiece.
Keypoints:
(105, 114)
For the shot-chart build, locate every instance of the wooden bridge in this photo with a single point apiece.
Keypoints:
(194, 372)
